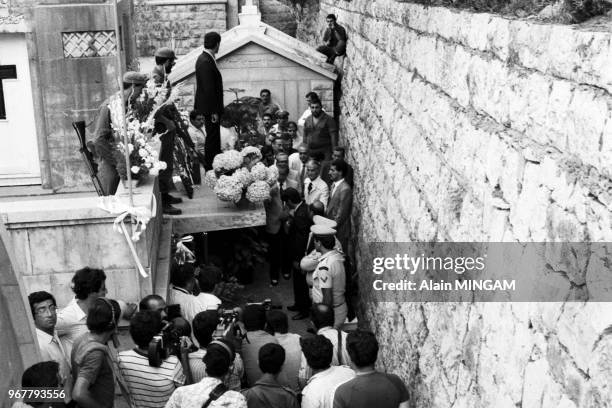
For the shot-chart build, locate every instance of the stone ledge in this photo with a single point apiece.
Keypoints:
(67, 209)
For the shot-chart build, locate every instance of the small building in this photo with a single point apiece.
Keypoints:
(254, 56)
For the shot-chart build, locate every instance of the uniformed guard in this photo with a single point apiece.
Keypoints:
(329, 277)
(104, 138)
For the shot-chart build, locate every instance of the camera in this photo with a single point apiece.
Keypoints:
(166, 343)
(227, 320)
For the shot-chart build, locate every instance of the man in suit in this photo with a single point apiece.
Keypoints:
(340, 202)
(339, 153)
(314, 187)
(298, 227)
(320, 132)
(209, 96)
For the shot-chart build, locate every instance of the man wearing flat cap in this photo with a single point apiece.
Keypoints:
(133, 82)
(329, 277)
(164, 61)
(209, 96)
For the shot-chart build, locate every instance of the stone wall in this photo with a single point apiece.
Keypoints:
(278, 15)
(473, 127)
(177, 24)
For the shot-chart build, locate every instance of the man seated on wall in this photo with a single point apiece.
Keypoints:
(335, 39)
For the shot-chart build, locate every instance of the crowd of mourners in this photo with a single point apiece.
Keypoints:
(241, 357)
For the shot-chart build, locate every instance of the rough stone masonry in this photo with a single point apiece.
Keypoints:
(474, 127)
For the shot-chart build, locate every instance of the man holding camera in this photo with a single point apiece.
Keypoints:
(150, 386)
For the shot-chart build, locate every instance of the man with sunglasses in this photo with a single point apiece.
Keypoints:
(44, 310)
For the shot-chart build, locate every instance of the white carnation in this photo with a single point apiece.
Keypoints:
(272, 174)
(228, 189)
(227, 161)
(251, 150)
(259, 172)
(210, 179)
(243, 176)
(135, 169)
(258, 191)
(142, 152)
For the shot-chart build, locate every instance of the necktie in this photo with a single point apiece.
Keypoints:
(281, 187)
(302, 177)
(309, 187)
(332, 190)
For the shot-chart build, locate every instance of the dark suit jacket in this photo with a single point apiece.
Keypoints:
(336, 38)
(299, 231)
(339, 210)
(209, 86)
(325, 174)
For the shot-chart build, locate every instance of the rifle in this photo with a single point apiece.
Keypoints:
(79, 128)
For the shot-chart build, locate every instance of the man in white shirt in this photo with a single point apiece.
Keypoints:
(44, 309)
(88, 285)
(315, 189)
(208, 278)
(297, 163)
(322, 318)
(182, 282)
(319, 392)
(310, 98)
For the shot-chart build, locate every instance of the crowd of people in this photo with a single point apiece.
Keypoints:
(189, 351)
(242, 357)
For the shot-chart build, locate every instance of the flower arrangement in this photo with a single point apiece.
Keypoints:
(240, 175)
(140, 126)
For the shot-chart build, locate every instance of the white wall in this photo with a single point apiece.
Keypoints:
(19, 163)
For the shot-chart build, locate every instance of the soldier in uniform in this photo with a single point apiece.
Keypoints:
(164, 61)
(329, 277)
(133, 83)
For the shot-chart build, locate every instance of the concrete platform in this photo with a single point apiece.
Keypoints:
(205, 212)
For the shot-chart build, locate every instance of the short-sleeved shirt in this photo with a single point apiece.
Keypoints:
(71, 323)
(150, 387)
(293, 352)
(195, 395)
(250, 353)
(95, 368)
(232, 379)
(319, 393)
(329, 275)
(372, 389)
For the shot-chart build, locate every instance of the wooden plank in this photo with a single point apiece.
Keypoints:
(267, 74)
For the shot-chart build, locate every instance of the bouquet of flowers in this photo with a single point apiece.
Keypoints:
(237, 175)
(140, 124)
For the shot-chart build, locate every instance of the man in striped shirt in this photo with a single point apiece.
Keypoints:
(149, 387)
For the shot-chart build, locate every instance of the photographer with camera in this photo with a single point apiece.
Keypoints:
(150, 386)
(205, 325)
(210, 391)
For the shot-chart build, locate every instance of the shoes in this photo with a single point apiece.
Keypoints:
(174, 200)
(273, 283)
(170, 210)
(300, 316)
(293, 308)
